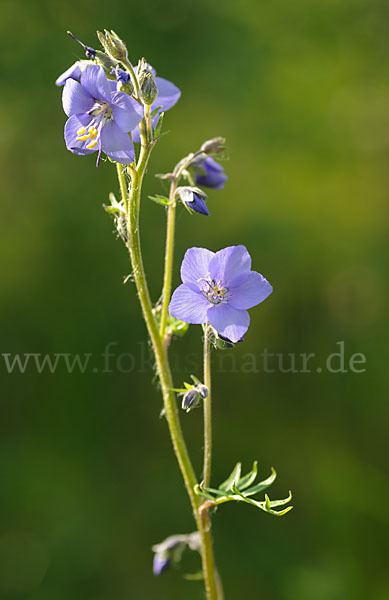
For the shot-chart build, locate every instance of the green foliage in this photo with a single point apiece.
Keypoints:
(239, 488)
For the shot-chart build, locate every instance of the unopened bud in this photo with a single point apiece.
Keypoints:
(113, 45)
(148, 89)
(161, 563)
(123, 79)
(214, 146)
(193, 198)
(203, 390)
(106, 62)
(191, 400)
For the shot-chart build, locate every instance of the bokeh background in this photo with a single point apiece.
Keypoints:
(88, 478)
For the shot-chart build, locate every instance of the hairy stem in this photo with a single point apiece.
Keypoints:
(209, 569)
(169, 248)
(158, 348)
(200, 509)
(169, 252)
(207, 410)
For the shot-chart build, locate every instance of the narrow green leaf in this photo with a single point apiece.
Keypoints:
(248, 479)
(232, 479)
(199, 492)
(155, 111)
(263, 485)
(274, 503)
(160, 200)
(214, 491)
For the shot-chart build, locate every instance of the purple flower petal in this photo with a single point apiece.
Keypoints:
(168, 94)
(251, 292)
(188, 305)
(161, 563)
(196, 203)
(75, 99)
(230, 322)
(93, 79)
(195, 265)
(213, 176)
(73, 72)
(231, 266)
(72, 143)
(126, 111)
(116, 144)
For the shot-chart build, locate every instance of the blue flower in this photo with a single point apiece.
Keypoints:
(99, 118)
(212, 175)
(218, 288)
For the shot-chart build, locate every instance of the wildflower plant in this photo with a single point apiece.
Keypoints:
(117, 109)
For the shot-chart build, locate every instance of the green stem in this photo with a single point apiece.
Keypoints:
(169, 248)
(169, 252)
(207, 410)
(159, 351)
(200, 509)
(134, 79)
(209, 569)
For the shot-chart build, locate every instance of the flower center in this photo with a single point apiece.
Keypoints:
(102, 112)
(214, 291)
(91, 134)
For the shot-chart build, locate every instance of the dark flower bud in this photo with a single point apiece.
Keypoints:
(161, 563)
(208, 172)
(214, 146)
(203, 390)
(191, 400)
(113, 45)
(193, 199)
(148, 89)
(124, 82)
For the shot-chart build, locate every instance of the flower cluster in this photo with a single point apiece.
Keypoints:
(99, 118)
(218, 288)
(103, 116)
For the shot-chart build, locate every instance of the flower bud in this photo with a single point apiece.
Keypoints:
(214, 146)
(161, 563)
(123, 79)
(193, 199)
(148, 89)
(191, 400)
(113, 45)
(106, 62)
(203, 390)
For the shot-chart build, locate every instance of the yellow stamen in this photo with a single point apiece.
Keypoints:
(81, 131)
(92, 145)
(82, 138)
(92, 132)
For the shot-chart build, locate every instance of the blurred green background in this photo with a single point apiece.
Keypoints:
(88, 478)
